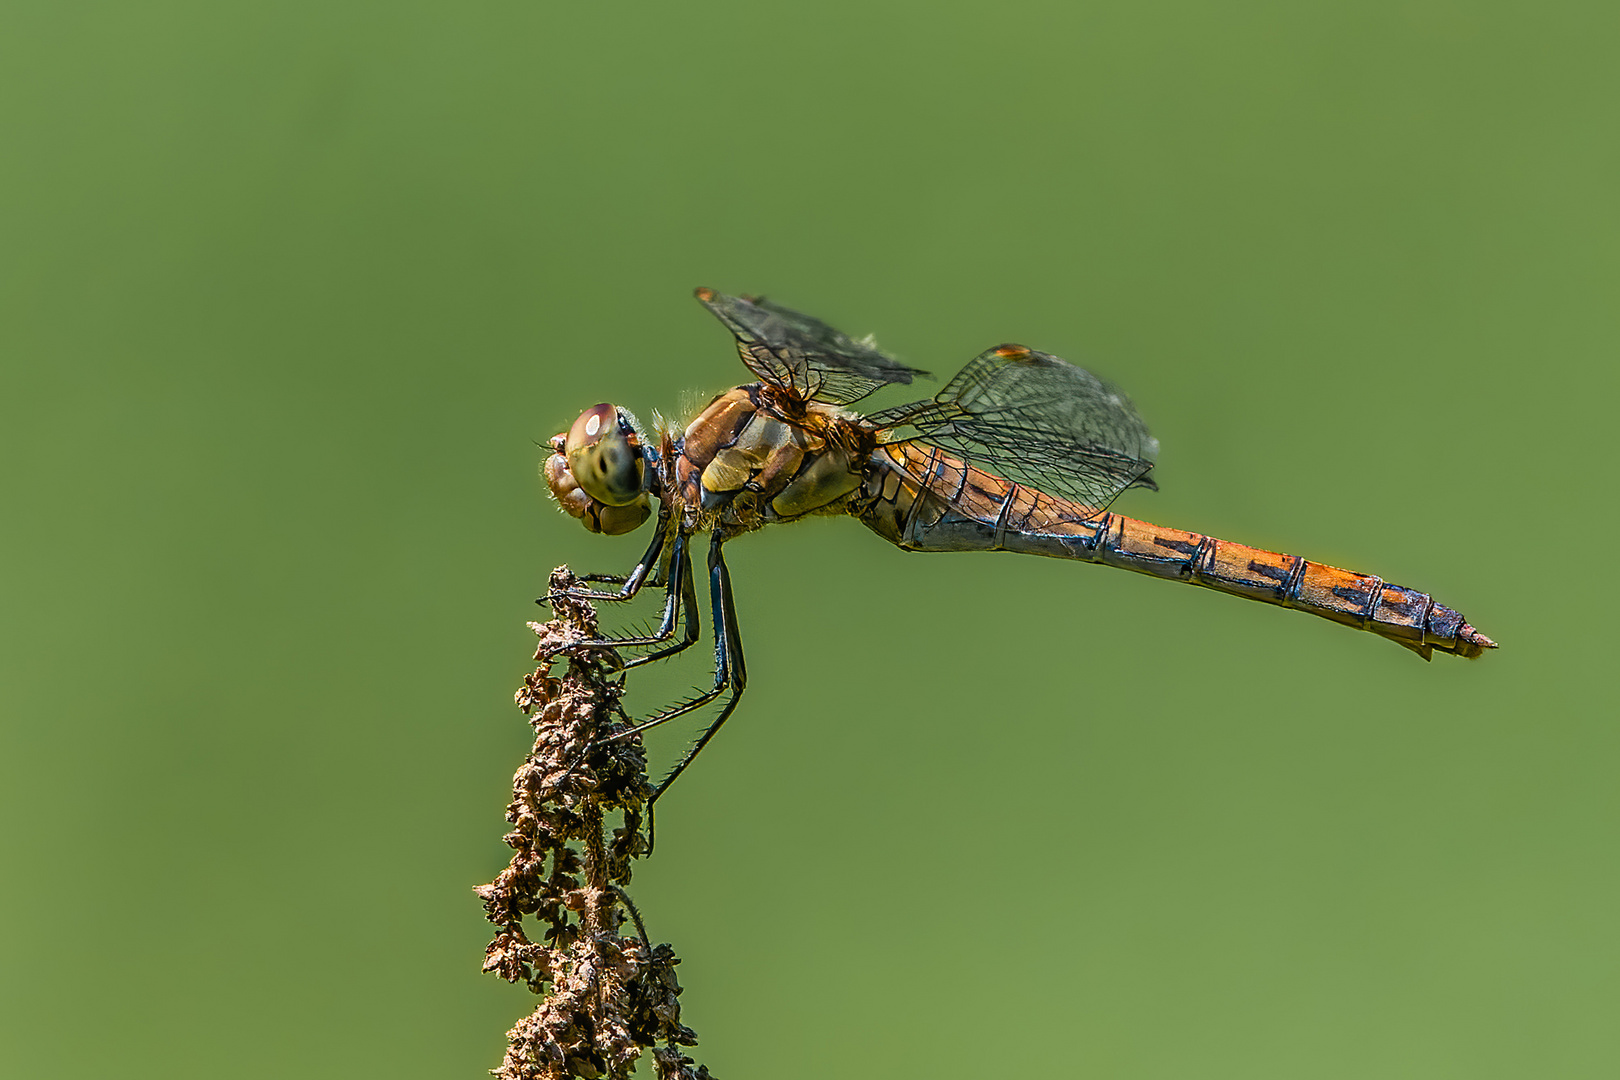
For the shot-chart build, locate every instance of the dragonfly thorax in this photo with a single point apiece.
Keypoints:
(749, 462)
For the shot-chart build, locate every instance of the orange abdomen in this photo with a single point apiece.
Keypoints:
(966, 509)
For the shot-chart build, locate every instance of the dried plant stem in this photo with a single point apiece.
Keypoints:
(605, 997)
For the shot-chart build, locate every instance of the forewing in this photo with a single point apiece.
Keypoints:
(1033, 418)
(804, 355)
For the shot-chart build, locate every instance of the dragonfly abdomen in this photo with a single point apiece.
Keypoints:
(967, 509)
(1407, 617)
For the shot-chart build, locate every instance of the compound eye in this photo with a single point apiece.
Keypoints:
(604, 454)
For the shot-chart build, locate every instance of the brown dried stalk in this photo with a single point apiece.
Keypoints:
(605, 997)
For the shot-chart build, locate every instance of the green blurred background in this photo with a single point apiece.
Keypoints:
(290, 292)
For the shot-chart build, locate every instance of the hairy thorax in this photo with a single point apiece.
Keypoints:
(752, 458)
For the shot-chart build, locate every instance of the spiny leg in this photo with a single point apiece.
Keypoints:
(645, 570)
(630, 584)
(679, 588)
(663, 716)
(688, 605)
(680, 601)
(680, 578)
(729, 669)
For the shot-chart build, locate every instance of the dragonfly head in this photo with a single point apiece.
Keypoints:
(599, 470)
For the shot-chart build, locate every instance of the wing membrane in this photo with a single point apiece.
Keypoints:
(1038, 420)
(804, 355)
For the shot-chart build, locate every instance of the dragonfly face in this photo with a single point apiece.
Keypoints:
(599, 471)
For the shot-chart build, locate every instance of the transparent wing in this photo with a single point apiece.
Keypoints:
(1030, 417)
(803, 355)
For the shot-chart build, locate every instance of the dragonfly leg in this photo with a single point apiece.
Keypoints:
(722, 678)
(680, 597)
(687, 604)
(629, 584)
(729, 670)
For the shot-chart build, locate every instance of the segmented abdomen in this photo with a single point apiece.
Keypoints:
(975, 511)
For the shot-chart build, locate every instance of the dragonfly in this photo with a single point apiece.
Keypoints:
(1019, 451)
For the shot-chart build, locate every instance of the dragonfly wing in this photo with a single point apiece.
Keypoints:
(804, 355)
(1038, 420)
